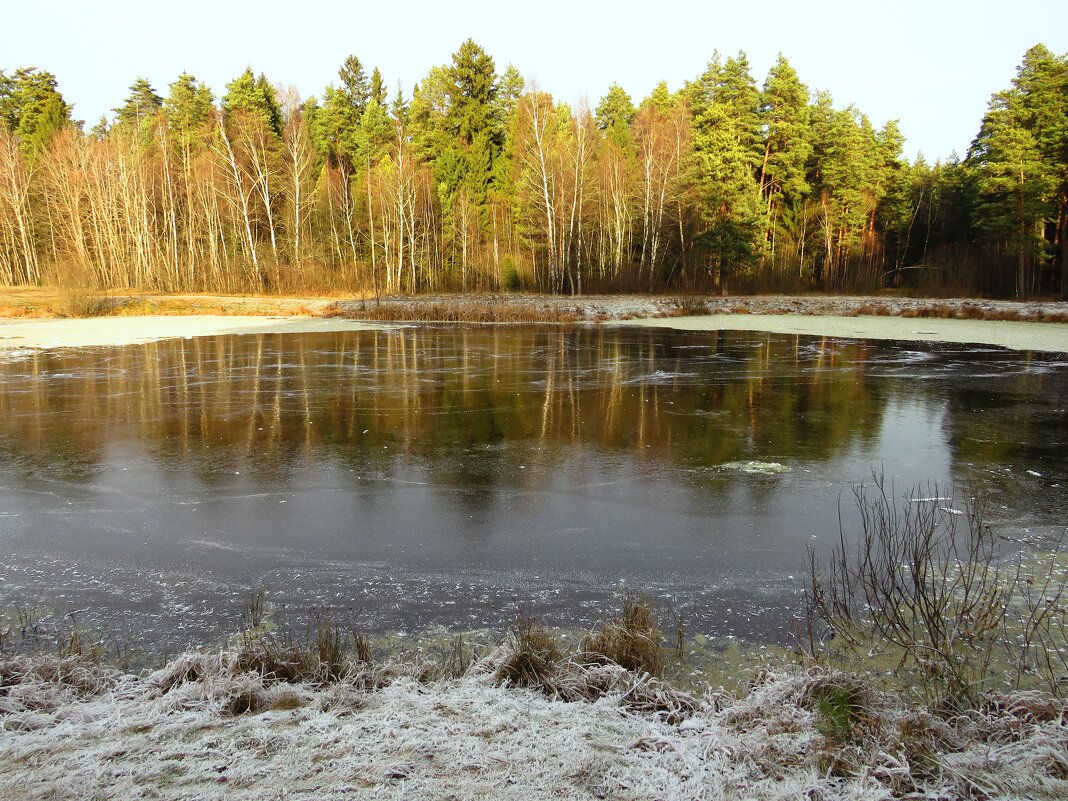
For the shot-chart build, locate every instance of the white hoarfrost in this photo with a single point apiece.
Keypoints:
(192, 731)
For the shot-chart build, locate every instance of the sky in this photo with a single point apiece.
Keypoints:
(932, 64)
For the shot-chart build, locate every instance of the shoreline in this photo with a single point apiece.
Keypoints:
(1013, 335)
(85, 332)
(830, 317)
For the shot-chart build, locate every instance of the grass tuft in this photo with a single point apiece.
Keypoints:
(534, 655)
(329, 651)
(844, 706)
(631, 640)
(246, 701)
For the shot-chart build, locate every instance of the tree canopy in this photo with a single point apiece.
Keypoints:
(475, 179)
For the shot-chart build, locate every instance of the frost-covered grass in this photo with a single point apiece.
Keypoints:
(202, 728)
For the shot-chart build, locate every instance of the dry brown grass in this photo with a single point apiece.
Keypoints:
(632, 640)
(246, 701)
(533, 657)
(686, 306)
(923, 737)
(957, 311)
(872, 310)
(244, 307)
(487, 311)
(85, 675)
(30, 302)
(964, 311)
(328, 652)
(24, 310)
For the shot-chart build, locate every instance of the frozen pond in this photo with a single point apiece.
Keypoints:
(443, 476)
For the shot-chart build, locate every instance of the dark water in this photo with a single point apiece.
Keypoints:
(442, 476)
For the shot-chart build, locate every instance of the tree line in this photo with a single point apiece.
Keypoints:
(480, 181)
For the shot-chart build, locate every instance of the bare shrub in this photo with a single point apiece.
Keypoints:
(632, 640)
(79, 300)
(79, 294)
(926, 583)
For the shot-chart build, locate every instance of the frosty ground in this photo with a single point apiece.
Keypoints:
(201, 728)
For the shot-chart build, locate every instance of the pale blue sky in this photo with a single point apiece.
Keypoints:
(931, 64)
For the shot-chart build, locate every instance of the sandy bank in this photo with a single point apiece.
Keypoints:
(103, 331)
(1048, 337)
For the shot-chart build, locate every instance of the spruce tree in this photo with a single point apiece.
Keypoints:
(615, 113)
(472, 121)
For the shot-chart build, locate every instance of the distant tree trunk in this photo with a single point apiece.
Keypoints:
(371, 219)
(1062, 235)
(242, 197)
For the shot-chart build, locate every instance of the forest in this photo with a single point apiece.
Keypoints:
(480, 181)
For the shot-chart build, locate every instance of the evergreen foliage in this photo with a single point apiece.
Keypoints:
(32, 108)
(478, 180)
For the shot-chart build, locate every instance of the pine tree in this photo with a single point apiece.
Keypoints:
(188, 108)
(509, 89)
(336, 125)
(1041, 100)
(727, 192)
(736, 90)
(140, 106)
(374, 134)
(8, 108)
(726, 151)
(378, 89)
(1015, 185)
(784, 117)
(701, 92)
(253, 99)
(787, 140)
(32, 107)
(472, 93)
